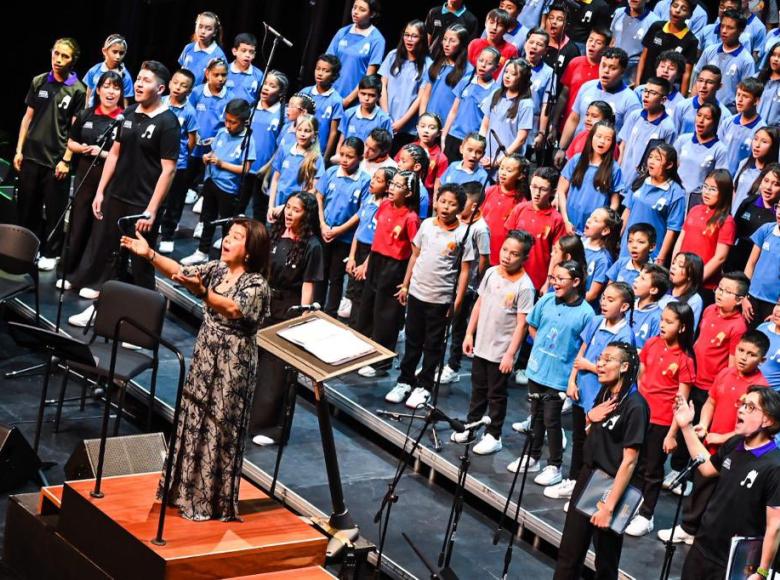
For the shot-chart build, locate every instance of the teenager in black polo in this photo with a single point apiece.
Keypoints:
(616, 431)
(440, 18)
(746, 501)
(42, 157)
(136, 177)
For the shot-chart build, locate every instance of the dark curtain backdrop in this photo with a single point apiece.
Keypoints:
(159, 29)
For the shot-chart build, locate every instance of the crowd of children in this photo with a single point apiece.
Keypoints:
(563, 182)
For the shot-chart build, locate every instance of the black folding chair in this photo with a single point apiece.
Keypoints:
(18, 263)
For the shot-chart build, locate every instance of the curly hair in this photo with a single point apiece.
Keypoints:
(310, 227)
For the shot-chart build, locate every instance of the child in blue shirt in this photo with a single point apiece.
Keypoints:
(114, 52)
(297, 105)
(641, 243)
(472, 150)
(762, 269)
(629, 26)
(737, 131)
(204, 46)
(704, 91)
(448, 68)
(652, 283)
(699, 153)
(328, 108)
(769, 106)
(224, 167)
(209, 101)
(340, 193)
(244, 78)
(670, 66)
(685, 274)
(542, 77)
(659, 200)
(360, 48)
(600, 241)
(363, 118)
(771, 365)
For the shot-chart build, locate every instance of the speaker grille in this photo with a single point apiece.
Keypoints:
(129, 454)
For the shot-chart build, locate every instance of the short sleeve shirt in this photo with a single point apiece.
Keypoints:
(718, 338)
(665, 368)
(396, 227)
(765, 283)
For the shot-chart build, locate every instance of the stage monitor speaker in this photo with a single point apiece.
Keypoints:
(18, 462)
(124, 456)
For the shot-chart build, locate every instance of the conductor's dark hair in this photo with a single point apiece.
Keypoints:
(770, 405)
(257, 244)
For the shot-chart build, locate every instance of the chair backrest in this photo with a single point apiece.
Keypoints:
(141, 305)
(18, 249)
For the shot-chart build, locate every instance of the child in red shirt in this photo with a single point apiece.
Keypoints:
(542, 221)
(429, 132)
(718, 421)
(666, 370)
(501, 199)
(496, 25)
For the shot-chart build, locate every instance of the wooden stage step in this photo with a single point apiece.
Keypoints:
(310, 573)
(116, 533)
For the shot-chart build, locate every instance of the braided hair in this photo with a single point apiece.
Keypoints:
(630, 355)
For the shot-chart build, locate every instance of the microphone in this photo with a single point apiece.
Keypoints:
(483, 422)
(135, 217)
(438, 415)
(692, 464)
(389, 414)
(314, 306)
(277, 34)
(223, 221)
(113, 125)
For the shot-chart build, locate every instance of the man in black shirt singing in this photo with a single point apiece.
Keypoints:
(746, 501)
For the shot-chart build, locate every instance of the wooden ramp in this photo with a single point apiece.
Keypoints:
(116, 531)
(311, 573)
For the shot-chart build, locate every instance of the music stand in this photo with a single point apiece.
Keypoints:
(340, 524)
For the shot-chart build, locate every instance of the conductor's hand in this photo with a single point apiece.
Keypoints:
(192, 283)
(138, 245)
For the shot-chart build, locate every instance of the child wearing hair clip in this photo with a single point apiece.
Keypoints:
(204, 46)
(114, 51)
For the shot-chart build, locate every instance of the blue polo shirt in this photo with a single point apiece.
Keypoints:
(188, 123)
(367, 220)
(506, 129)
(456, 173)
(710, 35)
(769, 105)
(425, 202)
(195, 59)
(735, 66)
(227, 148)
(628, 31)
(696, 160)
(672, 99)
(343, 196)
(694, 301)
(696, 22)
(210, 113)
(771, 366)
(772, 38)
(286, 137)
(559, 328)
(442, 94)
(355, 124)
(541, 82)
(597, 336)
(647, 323)
(743, 181)
(581, 201)
(403, 88)
(287, 162)
(636, 133)
(622, 100)
(471, 94)
(93, 75)
(531, 14)
(757, 31)
(265, 131)
(357, 50)
(765, 284)
(623, 271)
(597, 263)
(685, 114)
(244, 84)
(328, 108)
(738, 139)
(662, 206)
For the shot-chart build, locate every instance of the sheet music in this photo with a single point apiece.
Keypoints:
(329, 342)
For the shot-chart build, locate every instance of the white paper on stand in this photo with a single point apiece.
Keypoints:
(329, 342)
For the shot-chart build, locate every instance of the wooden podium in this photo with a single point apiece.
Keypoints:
(340, 524)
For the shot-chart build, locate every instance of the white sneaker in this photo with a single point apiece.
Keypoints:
(562, 490)
(198, 206)
(418, 398)
(449, 376)
(670, 477)
(567, 404)
(62, 282)
(89, 293)
(461, 437)
(192, 197)
(217, 245)
(519, 464)
(82, 319)
(262, 440)
(47, 264)
(550, 475)
(198, 231)
(680, 536)
(566, 507)
(166, 247)
(686, 491)
(564, 440)
(639, 526)
(345, 308)
(197, 257)
(398, 393)
(487, 445)
(520, 377)
(522, 426)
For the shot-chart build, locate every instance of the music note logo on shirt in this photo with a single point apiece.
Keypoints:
(719, 338)
(671, 370)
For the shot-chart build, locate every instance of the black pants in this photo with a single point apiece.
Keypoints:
(488, 393)
(174, 204)
(104, 260)
(217, 204)
(578, 424)
(252, 190)
(577, 534)
(380, 315)
(547, 417)
(459, 325)
(81, 217)
(651, 466)
(761, 311)
(42, 200)
(331, 290)
(696, 503)
(681, 456)
(425, 326)
(452, 148)
(355, 287)
(698, 567)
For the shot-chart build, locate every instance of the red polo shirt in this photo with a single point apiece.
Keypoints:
(546, 227)
(576, 74)
(495, 211)
(508, 51)
(438, 164)
(718, 338)
(703, 239)
(665, 368)
(726, 390)
(395, 230)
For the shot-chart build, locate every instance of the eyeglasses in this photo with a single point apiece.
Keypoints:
(412, 36)
(723, 290)
(708, 189)
(653, 93)
(749, 406)
(557, 280)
